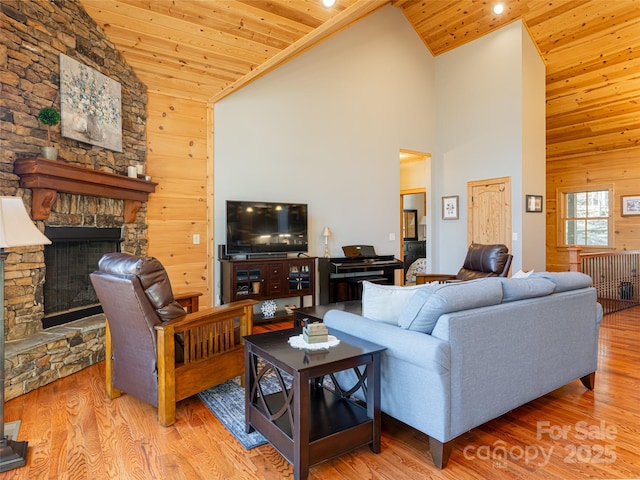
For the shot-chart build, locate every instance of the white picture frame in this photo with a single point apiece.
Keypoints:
(630, 205)
(450, 206)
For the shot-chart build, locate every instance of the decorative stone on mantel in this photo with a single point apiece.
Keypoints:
(48, 177)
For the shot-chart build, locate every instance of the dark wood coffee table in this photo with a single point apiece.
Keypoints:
(306, 422)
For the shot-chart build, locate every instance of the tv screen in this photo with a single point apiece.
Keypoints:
(266, 227)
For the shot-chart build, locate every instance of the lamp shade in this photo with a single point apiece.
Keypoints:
(16, 227)
(326, 232)
(423, 220)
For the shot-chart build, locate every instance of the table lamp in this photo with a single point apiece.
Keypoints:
(16, 230)
(326, 233)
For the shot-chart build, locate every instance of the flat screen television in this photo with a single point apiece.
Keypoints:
(266, 227)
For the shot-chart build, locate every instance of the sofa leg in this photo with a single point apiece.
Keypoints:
(440, 452)
(589, 381)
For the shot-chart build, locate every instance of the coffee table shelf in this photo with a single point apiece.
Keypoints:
(336, 414)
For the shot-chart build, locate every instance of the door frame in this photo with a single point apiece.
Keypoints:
(477, 183)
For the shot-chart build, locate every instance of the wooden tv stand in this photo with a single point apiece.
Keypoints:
(269, 279)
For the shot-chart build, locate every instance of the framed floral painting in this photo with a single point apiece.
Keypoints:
(450, 207)
(90, 105)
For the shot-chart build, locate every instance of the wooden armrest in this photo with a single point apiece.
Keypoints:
(211, 352)
(190, 301)
(212, 315)
(433, 277)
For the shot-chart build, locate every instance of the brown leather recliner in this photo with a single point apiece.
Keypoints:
(155, 351)
(481, 261)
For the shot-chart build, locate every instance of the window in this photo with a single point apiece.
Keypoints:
(586, 217)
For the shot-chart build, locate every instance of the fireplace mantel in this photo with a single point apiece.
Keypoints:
(48, 177)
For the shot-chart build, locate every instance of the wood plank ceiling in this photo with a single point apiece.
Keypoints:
(206, 49)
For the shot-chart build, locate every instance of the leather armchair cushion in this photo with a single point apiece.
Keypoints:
(153, 278)
(484, 260)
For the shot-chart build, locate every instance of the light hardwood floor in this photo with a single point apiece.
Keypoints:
(74, 432)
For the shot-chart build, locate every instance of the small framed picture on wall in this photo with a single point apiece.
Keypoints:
(630, 205)
(450, 207)
(533, 203)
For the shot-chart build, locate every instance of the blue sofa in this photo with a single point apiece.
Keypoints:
(458, 355)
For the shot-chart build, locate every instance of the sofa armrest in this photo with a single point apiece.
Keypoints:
(417, 348)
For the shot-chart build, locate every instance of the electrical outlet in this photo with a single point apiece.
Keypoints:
(392, 236)
(514, 236)
(196, 239)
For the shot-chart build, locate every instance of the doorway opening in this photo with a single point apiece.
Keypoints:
(414, 215)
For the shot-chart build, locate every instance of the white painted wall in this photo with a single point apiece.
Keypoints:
(534, 161)
(326, 129)
(480, 111)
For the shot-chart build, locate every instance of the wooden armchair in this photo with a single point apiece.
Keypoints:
(156, 351)
(481, 261)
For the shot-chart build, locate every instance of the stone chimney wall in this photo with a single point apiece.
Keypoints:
(34, 33)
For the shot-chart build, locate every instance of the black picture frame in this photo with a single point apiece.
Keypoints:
(410, 225)
(533, 203)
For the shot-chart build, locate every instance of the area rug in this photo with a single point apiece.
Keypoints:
(226, 402)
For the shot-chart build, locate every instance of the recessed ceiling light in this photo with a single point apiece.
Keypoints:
(328, 3)
(498, 8)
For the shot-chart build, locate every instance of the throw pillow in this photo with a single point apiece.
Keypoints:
(426, 306)
(565, 281)
(514, 289)
(385, 302)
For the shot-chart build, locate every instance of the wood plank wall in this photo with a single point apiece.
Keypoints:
(177, 144)
(620, 168)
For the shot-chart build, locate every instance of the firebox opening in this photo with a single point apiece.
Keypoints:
(73, 254)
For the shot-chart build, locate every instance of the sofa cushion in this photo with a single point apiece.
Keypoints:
(426, 306)
(514, 289)
(385, 302)
(565, 281)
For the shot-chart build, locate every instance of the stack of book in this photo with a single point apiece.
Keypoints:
(315, 333)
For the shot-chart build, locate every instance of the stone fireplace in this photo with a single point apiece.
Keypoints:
(35, 33)
(86, 213)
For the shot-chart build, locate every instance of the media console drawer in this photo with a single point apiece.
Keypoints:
(269, 279)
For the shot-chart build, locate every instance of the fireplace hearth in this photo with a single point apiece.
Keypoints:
(71, 257)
